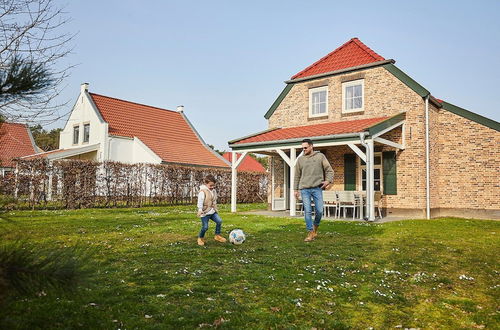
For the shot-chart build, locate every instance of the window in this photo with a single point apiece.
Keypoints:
(318, 101)
(76, 134)
(377, 172)
(353, 96)
(86, 132)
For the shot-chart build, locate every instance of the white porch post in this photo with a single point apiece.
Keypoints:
(234, 179)
(370, 186)
(292, 182)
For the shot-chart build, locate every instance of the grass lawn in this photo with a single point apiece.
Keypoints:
(147, 272)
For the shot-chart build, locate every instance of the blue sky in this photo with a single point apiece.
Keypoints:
(226, 61)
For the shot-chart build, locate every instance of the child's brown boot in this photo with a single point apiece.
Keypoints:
(309, 237)
(200, 241)
(219, 238)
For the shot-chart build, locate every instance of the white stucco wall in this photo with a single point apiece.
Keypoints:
(81, 114)
(127, 150)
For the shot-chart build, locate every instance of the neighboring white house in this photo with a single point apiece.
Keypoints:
(104, 128)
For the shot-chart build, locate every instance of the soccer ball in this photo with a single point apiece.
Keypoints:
(237, 236)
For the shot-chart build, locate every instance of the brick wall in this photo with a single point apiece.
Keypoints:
(468, 166)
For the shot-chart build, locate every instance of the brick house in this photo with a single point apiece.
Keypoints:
(381, 131)
(15, 141)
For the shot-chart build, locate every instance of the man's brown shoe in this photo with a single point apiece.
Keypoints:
(309, 237)
(200, 241)
(315, 230)
(219, 238)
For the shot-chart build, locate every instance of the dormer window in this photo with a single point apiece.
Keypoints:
(76, 134)
(86, 132)
(353, 96)
(318, 101)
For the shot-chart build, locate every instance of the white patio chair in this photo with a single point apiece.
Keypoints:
(330, 201)
(346, 200)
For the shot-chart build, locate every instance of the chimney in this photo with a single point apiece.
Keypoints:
(84, 87)
(180, 108)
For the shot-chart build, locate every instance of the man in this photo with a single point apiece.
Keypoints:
(312, 174)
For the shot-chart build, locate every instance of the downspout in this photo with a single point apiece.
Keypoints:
(427, 161)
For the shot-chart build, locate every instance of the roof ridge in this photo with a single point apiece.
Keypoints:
(355, 41)
(10, 123)
(137, 103)
(368, 50)
(324, 57)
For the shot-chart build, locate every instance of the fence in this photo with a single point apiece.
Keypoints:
(82, 184)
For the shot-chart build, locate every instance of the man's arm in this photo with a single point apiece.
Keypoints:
(327, 168)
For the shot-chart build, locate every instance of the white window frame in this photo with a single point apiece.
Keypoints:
(379, 166)
(316, 90)
(83, 138)
(349, 84)
(73, 136)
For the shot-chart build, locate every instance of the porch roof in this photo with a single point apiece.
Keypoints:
(63, 153)
(334, 130)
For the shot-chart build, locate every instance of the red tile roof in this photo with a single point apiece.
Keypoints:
(248, 164)
(168, 133)
(15, 141)
(340, 127)
(350, 54)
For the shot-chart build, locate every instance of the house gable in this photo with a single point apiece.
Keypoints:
(84, 113)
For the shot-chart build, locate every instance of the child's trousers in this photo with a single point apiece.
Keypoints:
(204, 224)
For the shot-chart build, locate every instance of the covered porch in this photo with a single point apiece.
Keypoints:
(361, 152)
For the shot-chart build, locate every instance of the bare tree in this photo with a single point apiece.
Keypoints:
(32, 45)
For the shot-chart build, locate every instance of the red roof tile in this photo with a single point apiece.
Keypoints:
(15, 141)
(166, 132)
(350, 54)
(340, 127)
(248, 164)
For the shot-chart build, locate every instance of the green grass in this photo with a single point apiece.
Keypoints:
(148, 272)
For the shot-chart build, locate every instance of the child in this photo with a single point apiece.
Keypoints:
(207, 209)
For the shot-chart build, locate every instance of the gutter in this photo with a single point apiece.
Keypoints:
(315, 138)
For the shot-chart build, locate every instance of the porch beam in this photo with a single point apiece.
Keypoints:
(298, 145)
(239, 160)
(390, 128)
(389, 143)
(284, 156)
(358, 151)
